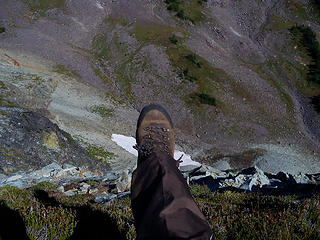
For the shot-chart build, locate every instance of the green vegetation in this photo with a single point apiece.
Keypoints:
(307, 41)
(99, 154)
(187, 10)
(268, 71)
(2, 29)
(54, 222)
(173, 39)
(4, 102)
(203, 98)
(2, 86)
(45, 186)
(102, 51)
(278, 24)
(296, 8)
(102, 76)
(102, 111)
(61, 69)
(316, 103)
(190, 66)
(255, 216)
(231, 215)
(41, 6)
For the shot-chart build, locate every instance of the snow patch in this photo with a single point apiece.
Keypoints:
(127, 144)
(236, 33)
(99, 5)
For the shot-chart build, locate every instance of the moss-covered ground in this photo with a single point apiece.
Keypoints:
(41, 6)
(308, 48)
(191, 10)
(190, 67)
(231, 215)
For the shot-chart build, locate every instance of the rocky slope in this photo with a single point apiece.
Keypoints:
(230, 73)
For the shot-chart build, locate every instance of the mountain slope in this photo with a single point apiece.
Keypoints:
(231, 73)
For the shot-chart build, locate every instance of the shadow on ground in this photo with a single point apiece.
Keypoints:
(92, 224)
(11, 224)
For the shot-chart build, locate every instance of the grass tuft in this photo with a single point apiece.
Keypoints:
(41, 6)
(191, 10)
(102, 111)
(203, 98)
(99, 154)
(307, 40)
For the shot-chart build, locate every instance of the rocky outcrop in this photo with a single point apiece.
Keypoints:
(31, 141)
(254, 180)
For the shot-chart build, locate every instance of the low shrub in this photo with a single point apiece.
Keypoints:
(205, 99)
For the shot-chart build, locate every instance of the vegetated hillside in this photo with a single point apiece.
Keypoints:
(38, 215)
(234, 75)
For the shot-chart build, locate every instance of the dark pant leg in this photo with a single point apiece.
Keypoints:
(162, 205)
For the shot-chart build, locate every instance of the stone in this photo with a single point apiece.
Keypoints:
(189, 168)
(66, 166)
(222, 165)
(110, 176)
(259, 179)
(301, 179)
(18, 184)
(50, 140)
(84, 187)
(102, 198)
(13, 178)
(51, 167)
(124, 183)
(70, 193)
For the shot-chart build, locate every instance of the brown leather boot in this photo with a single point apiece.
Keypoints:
(154, 132)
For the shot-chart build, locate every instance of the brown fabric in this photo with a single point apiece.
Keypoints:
(162, 205)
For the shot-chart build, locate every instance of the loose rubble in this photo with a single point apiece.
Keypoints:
(104, 187)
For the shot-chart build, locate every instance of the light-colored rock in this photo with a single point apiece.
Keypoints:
(13, 178)
(69, 193)
(110, 176)
(51, 167)
(124, 183)
(222, 165)
(51, 141)
(189, 168)
(259, 179)
(84, 187)
(301, 179)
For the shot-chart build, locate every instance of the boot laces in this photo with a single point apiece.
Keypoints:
(156, 138)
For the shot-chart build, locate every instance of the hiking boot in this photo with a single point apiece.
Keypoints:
(154, 132)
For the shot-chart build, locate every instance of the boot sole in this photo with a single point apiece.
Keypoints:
(147, 109)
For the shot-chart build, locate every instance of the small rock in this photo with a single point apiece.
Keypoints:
(110, 176)
(94, 190)
(69, 193)
(302, 179)
(259, 179)
(124, 183)
(51, 167)
(222, 165)
(102, 198)
(189, 168)
(84, 187)
(13, 178)
(18, 184)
